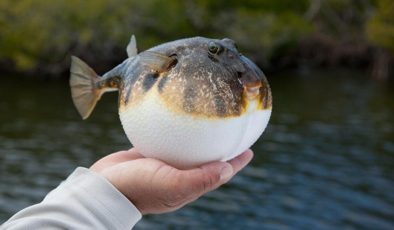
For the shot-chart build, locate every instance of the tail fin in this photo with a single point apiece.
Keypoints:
(84, 91)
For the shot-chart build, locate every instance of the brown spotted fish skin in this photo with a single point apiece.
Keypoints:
(199, 83)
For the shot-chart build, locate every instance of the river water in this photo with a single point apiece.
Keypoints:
(326, 160)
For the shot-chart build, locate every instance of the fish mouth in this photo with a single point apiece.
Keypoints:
(252, 91)
(251, 78)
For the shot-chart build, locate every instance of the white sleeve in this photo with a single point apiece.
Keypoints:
(86, 200)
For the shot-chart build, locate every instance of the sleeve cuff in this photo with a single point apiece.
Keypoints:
(102, 198)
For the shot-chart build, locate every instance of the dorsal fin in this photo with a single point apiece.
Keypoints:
(132, 47)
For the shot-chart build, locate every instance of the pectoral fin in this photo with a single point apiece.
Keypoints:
(157, 61)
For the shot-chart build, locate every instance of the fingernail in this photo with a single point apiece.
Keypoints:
(226, 172)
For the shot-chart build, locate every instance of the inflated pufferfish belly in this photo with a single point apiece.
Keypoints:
(185, 140)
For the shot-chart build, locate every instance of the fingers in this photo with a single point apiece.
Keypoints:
(195, 182)
(241, 161)
(212, 175)
(216, 173)
(115, 158)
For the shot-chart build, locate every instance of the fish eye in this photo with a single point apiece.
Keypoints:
(214, 48)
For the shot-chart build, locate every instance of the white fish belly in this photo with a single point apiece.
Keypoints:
(186, 141)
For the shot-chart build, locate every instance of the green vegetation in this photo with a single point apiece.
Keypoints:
(40, 35)
(380, 27)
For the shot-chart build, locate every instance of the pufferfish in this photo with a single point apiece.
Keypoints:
(185, 102)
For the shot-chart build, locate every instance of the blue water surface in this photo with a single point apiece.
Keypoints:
(326, 160)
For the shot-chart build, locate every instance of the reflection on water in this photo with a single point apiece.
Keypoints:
(326, 160)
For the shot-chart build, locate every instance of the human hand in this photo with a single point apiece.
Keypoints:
(156, 187)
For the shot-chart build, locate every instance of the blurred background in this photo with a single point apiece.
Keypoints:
(326, 160)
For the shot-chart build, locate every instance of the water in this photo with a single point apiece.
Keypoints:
(326, 160)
